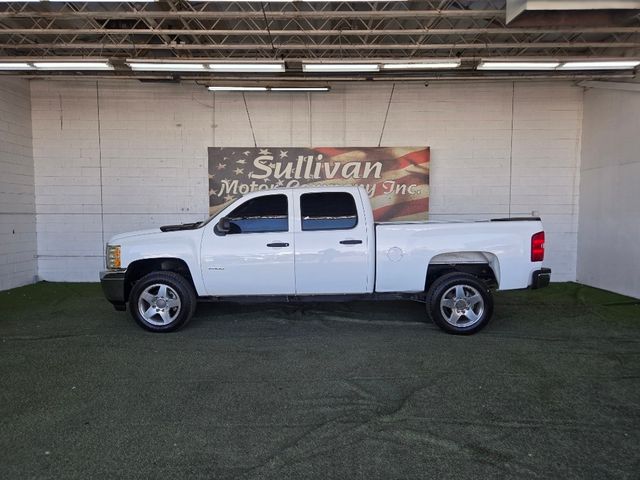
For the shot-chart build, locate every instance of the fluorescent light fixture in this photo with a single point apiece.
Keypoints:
(166, 67)
(234, 88)
(247, 67)
(421, 65)
(15, 66)
(600, 65)
(518, 65)
(340, 67)
(300, 89)
(73, 65)
(237, 89)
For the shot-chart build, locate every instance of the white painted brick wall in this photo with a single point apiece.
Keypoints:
(609, 227)
(17, 199)
(153, 151)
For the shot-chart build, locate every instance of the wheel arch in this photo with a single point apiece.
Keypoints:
(484, 265)
(139, 268)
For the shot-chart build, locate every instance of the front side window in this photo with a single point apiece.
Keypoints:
(262, 214)
(328, 211)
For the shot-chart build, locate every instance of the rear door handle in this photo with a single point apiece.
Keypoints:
(350, 242)
(277, 244)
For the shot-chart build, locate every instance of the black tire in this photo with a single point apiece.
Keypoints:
(473, 313)
(178, 299)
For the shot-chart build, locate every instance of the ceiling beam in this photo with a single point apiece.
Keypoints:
(214, 15)
(624, 86)
(337, 46)
(322, 32)
(270, 80)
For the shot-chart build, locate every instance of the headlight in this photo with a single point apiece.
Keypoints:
(113, 257)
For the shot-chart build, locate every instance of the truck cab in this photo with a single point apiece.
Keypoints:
(291, 242)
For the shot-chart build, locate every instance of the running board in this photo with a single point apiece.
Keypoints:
(349, 297)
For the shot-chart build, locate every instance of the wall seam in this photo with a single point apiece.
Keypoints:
(513, 96)
(100, 166)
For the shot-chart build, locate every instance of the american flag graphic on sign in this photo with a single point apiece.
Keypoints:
(396, 178)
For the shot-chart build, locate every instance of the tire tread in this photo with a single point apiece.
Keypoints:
(441, 285)
(184, 287)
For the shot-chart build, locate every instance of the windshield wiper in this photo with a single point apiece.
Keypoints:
(182, 226)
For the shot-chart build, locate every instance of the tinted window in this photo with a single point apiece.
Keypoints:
(262, 214)
(328, 211)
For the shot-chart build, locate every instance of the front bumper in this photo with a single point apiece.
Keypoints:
(113, 288)
(541, 278)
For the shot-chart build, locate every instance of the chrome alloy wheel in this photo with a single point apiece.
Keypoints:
(462, 306)
(159, 304)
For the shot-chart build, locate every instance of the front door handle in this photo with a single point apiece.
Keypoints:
(277, 244)
(350, 242)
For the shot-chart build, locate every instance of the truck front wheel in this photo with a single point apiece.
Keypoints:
(162, 301)
(459, 303)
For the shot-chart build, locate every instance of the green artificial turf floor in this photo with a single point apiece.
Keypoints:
(550, 389)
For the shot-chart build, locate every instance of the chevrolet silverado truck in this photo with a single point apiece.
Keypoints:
(307, 244)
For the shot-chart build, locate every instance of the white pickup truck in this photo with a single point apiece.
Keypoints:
(318, 243)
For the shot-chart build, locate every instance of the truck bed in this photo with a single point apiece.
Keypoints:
(404, 250)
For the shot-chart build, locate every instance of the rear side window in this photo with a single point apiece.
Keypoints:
(262, 214)
(328, 211)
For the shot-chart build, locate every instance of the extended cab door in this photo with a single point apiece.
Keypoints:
(256, 256)
(332, 246)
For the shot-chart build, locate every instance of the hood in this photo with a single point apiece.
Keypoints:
(136, 233)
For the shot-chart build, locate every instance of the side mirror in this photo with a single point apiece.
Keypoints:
(223, 226)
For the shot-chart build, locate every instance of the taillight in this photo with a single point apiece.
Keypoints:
(537, 247)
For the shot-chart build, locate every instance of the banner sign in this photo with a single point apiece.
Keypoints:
(396, 178)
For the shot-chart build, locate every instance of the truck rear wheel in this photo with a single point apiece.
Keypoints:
(459, 303)
(162, 301)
